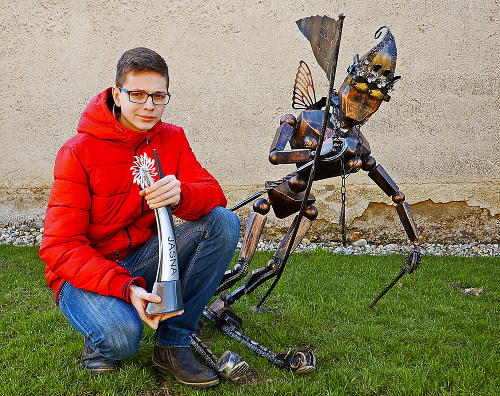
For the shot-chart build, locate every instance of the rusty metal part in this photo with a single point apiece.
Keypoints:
(339, 148)
(261, 275)
(374, 72)
(309, 124)
(398, 197)
(406, 218)
(311, 212)
(369, 81)
(396, 279)
(322, 33)
(383, 180)
(297, 184)
(356, 106)
(304, 226)
(289, 119)
(290, 156)
(286, 202)
(301, 362)
(262, 206)
(282, 136)
(228, 366)
(249, 244)
(331, 166)
(271, 186)
(410, 263)
(369, 164)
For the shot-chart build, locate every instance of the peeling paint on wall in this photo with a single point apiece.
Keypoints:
(451, 223)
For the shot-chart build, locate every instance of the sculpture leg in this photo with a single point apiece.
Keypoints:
(411, 262)
(260, 275)
(253, 232)
(228, 365)
(378, 174)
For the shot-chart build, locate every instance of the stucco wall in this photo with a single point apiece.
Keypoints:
(232, 66)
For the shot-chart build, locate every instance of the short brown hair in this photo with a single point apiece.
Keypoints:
(139, 59)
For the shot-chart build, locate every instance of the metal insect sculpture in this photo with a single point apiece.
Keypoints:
(325, 141)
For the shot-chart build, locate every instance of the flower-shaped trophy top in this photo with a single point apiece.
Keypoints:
(143, 170)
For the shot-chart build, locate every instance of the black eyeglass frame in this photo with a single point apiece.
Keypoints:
(148, 95)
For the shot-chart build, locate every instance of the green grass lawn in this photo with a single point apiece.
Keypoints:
(423, 337)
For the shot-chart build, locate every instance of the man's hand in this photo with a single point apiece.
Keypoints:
(166, 191)
(140, 298)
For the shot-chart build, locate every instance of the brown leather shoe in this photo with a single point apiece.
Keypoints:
(96, 363)
(183, 366)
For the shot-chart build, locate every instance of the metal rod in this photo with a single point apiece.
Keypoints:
(403, 271)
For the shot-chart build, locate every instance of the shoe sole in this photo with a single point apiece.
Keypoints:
(95, 370)
(163, 369)
(101, 370)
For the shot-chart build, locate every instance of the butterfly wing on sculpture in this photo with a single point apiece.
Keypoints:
(304, 96)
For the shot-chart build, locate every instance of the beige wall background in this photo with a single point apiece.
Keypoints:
(232, 66)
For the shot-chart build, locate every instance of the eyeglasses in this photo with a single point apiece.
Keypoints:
(159, 98)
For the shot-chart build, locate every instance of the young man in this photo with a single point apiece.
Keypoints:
(100, 244)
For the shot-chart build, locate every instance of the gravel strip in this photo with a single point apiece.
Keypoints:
(28, 236)
(461, 250)
(20, 236)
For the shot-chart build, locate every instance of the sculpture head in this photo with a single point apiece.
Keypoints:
(369, 81)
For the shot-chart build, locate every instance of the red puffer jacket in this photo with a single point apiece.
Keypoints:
(95, 216)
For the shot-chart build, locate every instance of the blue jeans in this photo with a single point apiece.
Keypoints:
(112, 327)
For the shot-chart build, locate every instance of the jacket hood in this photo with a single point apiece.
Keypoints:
(97, 120)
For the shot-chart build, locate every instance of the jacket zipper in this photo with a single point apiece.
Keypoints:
(129, 237)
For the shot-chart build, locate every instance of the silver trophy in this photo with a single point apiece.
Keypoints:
(167, 284)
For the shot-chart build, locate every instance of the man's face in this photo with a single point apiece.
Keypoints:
(135, 116)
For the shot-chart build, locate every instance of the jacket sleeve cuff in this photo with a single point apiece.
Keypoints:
(120, 285)
(178, 203)
(185, 201)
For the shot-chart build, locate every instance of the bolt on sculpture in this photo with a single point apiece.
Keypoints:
(325, 141)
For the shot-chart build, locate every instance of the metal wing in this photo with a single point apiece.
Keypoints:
(304, 96)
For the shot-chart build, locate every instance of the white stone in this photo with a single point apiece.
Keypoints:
(359, 243)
